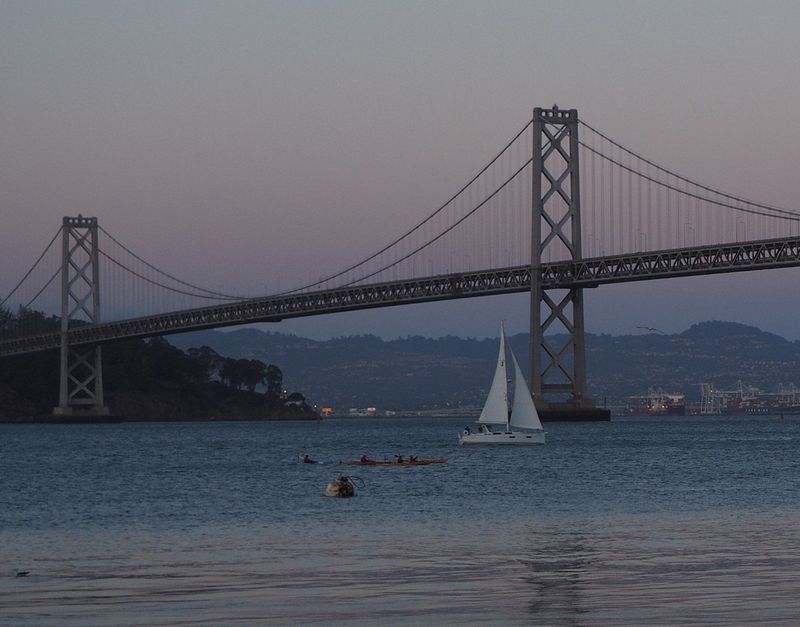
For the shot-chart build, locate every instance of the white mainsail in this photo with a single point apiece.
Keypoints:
(523, 412)
(495, 411)
(523, 415)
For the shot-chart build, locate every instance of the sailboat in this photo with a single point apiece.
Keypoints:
(521, 425)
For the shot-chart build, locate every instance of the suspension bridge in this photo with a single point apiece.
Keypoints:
(560, 208)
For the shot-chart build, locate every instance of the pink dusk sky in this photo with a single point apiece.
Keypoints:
(253, 145)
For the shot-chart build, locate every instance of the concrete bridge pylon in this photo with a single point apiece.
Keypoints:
(557, 370)
(81, 367)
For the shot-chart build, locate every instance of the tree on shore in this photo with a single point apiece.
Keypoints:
(274, 378)
(151, 379)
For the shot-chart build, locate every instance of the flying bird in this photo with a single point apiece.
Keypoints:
(652, 329)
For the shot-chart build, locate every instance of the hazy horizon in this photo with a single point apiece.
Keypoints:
(275, 328)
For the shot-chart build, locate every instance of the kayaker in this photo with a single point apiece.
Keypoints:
(364, 459)
(399, 459)
(412, 459)
(307, 459)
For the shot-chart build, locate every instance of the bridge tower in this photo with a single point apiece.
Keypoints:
(556, 232)
(81, 371)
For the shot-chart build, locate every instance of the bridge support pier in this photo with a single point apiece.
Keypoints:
(557, 370)
(81, 369)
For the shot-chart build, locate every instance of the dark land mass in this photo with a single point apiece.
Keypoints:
(417, 373)
(153, 380)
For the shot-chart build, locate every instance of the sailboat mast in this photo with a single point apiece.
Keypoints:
(505, 386)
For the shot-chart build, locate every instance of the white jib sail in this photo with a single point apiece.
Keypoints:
(523, 412)
(495, 410)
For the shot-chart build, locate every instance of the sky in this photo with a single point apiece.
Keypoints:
(249, 145)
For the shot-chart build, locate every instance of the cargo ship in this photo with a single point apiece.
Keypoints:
(748, 400)
(657, 402)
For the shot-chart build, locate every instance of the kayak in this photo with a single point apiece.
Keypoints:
(316, 461)
(372, 462)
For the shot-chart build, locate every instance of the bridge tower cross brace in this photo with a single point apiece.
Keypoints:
(81, 368)
(556, 230)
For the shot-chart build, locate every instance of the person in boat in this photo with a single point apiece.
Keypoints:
(467, 430)
(399, 459)
(483, 429)
(364, 459)
(307, 459)
(412, 459)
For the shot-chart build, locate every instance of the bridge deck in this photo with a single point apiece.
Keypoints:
(756, 255)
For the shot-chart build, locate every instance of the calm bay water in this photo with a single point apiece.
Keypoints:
(678, 521)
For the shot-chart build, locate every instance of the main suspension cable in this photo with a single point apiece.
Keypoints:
(688, 180)
(414, 228)
(443, 233)
(791, 216)
(33, 267)
(166, 274)
(166, 287)
(44, 287)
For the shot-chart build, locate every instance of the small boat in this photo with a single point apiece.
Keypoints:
(342, 487)
(405, 462)
(521, 425)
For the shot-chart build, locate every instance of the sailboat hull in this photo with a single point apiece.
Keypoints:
(513, 438)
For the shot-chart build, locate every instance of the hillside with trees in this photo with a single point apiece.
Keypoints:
(229, 376)
(153, 380)
(416, 373)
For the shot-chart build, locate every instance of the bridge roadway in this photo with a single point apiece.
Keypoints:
(756, 255)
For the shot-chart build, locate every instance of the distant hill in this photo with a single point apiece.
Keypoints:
(361, 371)
(715, 352)
(420, 373)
